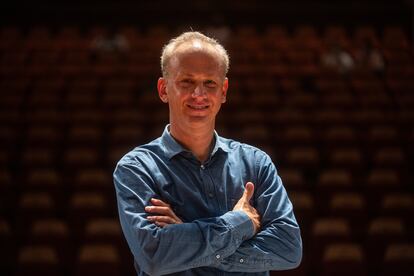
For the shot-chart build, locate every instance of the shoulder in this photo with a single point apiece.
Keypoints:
(236, 146)
(143, 154)
(243, 151)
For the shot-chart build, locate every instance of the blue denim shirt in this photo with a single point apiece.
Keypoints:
(213, 240)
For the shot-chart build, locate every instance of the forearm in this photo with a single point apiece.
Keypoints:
(184, 246)
(280, 250)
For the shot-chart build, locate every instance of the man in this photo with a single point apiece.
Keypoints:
(192, 202)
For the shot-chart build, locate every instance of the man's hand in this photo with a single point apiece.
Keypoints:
(164, 215)
(244, 205)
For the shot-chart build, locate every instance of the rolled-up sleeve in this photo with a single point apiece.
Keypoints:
(158, 251)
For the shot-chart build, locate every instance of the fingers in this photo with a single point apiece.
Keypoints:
(248, 191)
(159, 202)
(162, 219)
(163, 214)
(159, 207)
(161, 210)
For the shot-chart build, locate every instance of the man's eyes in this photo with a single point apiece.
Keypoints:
(190, 82)
(187, 81)
(210, 84)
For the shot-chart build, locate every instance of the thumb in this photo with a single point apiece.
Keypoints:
(248, 191)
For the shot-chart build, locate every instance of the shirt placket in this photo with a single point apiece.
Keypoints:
(213, 193)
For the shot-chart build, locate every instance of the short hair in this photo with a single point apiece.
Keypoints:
(169, 49)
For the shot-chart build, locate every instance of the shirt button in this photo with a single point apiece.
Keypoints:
(218, 256)
(241, 261)
(202, 167)
(210, 195)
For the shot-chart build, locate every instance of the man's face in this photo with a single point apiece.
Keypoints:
(195, 87)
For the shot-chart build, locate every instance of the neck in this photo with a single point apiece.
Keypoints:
(199, 140)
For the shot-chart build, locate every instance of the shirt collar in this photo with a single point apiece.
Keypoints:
(172, 147)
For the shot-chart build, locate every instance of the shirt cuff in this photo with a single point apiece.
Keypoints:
(240, 223)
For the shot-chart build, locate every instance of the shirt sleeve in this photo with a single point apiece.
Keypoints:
(158, 251)
(278, 245)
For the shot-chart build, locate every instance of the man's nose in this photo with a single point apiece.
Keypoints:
(198, 91)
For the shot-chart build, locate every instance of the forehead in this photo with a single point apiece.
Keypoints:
(194, 59)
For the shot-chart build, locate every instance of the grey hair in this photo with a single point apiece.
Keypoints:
(169, 49)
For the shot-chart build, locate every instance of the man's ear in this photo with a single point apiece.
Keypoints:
(224, 90)
(162, 89)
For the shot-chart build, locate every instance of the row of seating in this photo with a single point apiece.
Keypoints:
(73, 102)
(50, 246)
(68, 37)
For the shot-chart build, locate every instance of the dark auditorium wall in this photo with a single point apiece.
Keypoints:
(200, 12)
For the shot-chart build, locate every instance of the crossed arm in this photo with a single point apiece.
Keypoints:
(164, 215)
(238, 241)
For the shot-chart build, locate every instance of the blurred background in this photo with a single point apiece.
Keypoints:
(325, 87)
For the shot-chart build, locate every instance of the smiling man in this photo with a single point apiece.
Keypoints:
(192, 202)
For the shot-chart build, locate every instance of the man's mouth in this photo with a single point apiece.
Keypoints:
(198, 107)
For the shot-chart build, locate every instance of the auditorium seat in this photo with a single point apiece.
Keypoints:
(337, 34)
(306, 158)
(373, 121)
(38, 157)
(126, 134)
(379, 182)
(75, 158)
(342, 135)
(12, 99)
(305, 211)
(343, 100)
(7, 248)
(38, 260)
(296, 136)
(43, 135)
(343, 259)
(306, 37)
(347, 158)
(258, 135)
(7, 192)
(102, 259)
(98, 231)
(94, 180)
(390, 157)
(381, 232)
(45, 180)
(115, 153)
(85, 116)
(118, 97)
(399, 205)
(300, 100)
(324, 232)
(328, 117)
(332, 181)
(34, 205)
(366, 33)
(353, 207)
(11, 117)
(394, 38)
(398, 259)
(277, 38)
(382, 136)
(68, 38)
(83, 206)
(293, 179)
(85, 135)
(38, 38)
(47, 93)
(54, 233)
(287, 117)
